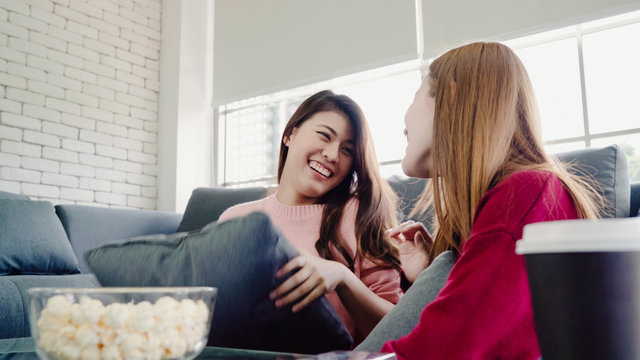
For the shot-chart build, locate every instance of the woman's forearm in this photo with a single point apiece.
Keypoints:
(365, 307)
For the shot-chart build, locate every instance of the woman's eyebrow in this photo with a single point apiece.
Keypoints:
(330, 129)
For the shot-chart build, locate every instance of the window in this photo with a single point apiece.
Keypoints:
(584, 76)
(585, 79)
(253, 128)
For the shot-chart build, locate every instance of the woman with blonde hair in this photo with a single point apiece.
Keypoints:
(473, 128)
(334, 207)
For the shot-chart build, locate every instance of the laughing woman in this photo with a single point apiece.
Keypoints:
(334, 207)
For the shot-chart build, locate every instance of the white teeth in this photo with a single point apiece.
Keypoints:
(319, 168)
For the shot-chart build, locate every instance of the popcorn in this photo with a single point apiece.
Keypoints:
(90, 330)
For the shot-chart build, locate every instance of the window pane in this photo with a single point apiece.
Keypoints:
(562, 147)
(384, 102)
(631, 146)
(612, 74)
(555, 76)
(389, 170)
(251, 138)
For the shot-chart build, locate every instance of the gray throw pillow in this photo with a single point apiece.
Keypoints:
(406, 314)
(32, 240)
(240, 258)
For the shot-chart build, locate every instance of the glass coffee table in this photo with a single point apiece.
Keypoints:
(24, 349)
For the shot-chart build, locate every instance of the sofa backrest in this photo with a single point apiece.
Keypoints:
(8, 195)
(608, 166)
(88, 227)
(206, 204)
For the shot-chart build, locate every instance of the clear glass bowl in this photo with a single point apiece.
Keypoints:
(121, 322)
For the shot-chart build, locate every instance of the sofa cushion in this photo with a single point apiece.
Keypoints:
(406, 314)
(206, 204)
(240, 258)
(609, 167)
(14, 299)
(32, 240)
(90, 226)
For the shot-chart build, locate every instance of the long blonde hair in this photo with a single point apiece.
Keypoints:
(486, 127)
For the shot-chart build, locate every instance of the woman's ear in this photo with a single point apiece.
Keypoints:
(287, 138)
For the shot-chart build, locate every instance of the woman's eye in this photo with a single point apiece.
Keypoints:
(324, 135)
(347, 151)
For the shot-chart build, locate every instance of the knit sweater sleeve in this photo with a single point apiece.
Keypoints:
(384, 281)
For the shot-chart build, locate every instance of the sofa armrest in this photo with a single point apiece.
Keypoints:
(14, 300)
(88, 227)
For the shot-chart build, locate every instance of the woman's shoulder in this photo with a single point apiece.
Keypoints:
(242, 209)
(520, 195)
(526, 183)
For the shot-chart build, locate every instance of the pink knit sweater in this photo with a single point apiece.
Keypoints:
(301, 226)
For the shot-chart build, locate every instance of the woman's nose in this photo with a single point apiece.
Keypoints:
(331, 151)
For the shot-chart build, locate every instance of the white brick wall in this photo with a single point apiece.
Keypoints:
(78, 100)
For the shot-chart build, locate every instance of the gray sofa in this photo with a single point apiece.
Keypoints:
(80, 228)
(33, 230)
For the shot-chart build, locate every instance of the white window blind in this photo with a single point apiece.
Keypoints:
(448, 24)
(261, 47)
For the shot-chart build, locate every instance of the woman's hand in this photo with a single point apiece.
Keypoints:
(414, 245)
(313, 277)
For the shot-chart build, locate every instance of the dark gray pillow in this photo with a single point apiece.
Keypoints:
(240, 258)
(206, 204)
(32, 240)
(406, 314)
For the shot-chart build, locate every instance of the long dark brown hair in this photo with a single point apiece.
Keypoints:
(376, 200)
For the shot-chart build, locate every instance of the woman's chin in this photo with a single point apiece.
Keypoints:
(413, 170)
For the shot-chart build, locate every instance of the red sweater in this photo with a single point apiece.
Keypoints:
(484, 310)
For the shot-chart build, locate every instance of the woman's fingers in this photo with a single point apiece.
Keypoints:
(423, 240)
(295, 263)
(311, 277)
(309, 286)
(293, 281)
(400, 228)
(311, 296)
(408, 230)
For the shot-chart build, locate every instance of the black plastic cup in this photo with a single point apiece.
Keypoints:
(584, 278)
